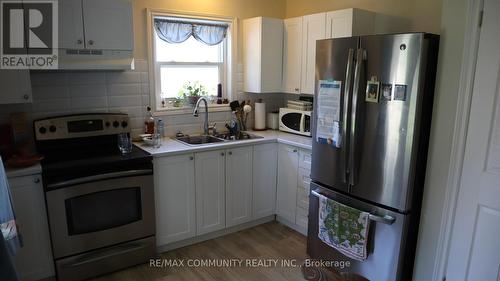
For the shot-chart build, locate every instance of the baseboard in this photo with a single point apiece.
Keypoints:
(300, 229)
(212, 235)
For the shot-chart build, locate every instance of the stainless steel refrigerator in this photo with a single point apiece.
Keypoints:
(376, 157)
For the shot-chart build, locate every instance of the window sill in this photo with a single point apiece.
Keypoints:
(189, 110)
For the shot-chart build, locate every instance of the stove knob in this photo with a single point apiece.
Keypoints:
(107, 124)
(116, 124)
(124, 124)
(42, 130)
(52, 128)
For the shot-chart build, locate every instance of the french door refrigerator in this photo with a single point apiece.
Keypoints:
(371, 152)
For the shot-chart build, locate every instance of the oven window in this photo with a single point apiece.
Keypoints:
(103, 210)
(292, 120)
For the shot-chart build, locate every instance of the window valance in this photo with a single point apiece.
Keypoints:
(173, 31)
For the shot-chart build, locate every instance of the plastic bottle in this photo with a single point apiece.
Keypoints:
(160, 131)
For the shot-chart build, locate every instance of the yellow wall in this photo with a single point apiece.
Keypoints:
(424, 15)
(233, 8)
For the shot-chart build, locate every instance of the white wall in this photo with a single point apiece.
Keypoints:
(443, 120)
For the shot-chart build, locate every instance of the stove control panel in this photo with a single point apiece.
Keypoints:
(81, 125)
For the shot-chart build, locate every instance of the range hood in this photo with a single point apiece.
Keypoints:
(85, 59)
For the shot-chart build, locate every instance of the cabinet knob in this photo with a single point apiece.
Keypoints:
(191, 158)
(222, 154)
(230, 153)
(79, 41)
(26, 97)
(91, 42)
(37, 180)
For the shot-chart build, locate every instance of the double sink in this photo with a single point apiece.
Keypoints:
(208, 139)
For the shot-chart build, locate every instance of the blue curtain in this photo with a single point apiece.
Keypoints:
(177, 32)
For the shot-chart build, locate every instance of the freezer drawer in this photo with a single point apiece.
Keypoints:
(386, 260)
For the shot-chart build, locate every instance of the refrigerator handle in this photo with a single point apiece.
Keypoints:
(345, 115)
(353, 173)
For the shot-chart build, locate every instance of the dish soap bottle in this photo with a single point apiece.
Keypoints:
(149, 123)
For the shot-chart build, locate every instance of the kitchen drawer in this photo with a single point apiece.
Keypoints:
(303, 198)
(305, 159)
(302, 217)
(304, 178)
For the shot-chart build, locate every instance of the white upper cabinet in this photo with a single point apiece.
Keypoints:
(313, 28)
(292, 55)
(108, 24)
(174, 198)
(71, 24)
(238, 185)
(96, 24)
(350, 22)
(262, 55)
(16, 86)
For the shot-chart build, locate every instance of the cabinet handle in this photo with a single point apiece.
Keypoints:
(26, 97)
(91, 42)
(37, 180)
(222, 154)
(191, 158)
(79, 41)
(230, 153)
(295, 150)
(296, 89)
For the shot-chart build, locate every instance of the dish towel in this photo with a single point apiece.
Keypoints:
(344, 228)
(8, 225)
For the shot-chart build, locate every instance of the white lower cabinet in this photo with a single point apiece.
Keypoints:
(34, 259)
(265, 164)
(288, 165)
(239, 185)
(210, 191)
(174, 198)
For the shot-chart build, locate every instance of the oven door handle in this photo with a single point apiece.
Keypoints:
(107, 253)
(100, 177)
(386, 219)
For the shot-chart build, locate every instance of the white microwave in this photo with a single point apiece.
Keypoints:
(295, 121)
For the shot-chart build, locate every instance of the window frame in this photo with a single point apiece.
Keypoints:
(225, 72)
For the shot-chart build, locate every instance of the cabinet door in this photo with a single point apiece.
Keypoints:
(174, 198)
(210, 191)
(108, 24)
(313, 27)
(288, 165)
(339, 23)
(265, 165)
(16, 86)
(71, 24)
(34, 260)
(292, 55)
(238, 185)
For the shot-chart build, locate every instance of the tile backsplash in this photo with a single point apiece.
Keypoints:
(57, 93)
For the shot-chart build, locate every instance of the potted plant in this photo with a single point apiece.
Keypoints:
(192, 91)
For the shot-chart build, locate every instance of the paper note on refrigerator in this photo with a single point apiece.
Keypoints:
(327, 126)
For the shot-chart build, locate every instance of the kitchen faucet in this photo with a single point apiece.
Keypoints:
(195, 114)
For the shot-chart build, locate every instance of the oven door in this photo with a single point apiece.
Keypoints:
(86, 215)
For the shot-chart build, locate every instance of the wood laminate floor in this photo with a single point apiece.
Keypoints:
(268, 242)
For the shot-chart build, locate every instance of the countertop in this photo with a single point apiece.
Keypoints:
(171, 146)
(21, 172)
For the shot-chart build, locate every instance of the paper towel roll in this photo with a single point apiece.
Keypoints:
(260, 116)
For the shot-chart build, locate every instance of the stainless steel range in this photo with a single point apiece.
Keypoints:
(100, 203)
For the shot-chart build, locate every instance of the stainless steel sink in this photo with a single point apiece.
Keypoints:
(198, 140)
(239, 136)
(207, 139)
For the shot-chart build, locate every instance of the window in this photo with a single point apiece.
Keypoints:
(185, 64)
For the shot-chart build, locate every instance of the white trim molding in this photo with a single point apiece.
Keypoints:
(466, 84)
